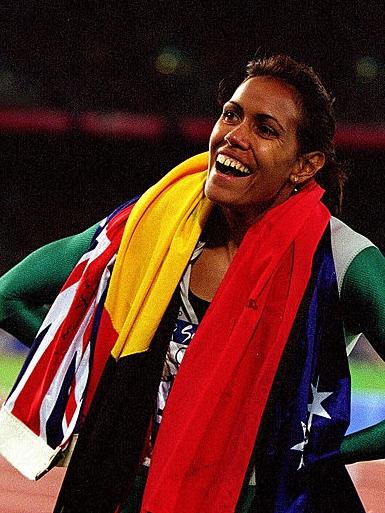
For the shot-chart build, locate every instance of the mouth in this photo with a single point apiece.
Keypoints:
(230, 166)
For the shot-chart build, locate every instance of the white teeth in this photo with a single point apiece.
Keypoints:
(226, 161)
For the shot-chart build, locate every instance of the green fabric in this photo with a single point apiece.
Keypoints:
(367, 444)
(363, 297)
(27, 289)
(363, 302)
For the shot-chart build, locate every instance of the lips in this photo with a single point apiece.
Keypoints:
(231, 166)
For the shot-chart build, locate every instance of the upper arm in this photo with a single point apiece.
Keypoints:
(37, 279)
(363, 297)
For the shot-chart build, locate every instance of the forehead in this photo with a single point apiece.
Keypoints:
(270, 96)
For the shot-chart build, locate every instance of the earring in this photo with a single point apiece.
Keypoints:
(226, 138)
(294, 181)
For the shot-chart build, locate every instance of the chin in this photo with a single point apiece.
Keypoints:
(221, 199)
(213, 194)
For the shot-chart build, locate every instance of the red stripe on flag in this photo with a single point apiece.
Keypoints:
(75, 275)
(71, 405)
(117, 220)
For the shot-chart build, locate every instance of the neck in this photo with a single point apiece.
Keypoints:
(237, 224)
(239, 220)
(225, 227)
(229, 224)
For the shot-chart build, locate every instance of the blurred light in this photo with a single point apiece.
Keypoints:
(167, 61)
(120, 124)
(171, 61)
(367, 69)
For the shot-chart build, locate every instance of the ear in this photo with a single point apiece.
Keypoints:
(309, 164)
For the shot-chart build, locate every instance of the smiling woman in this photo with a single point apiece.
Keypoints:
(199, 345)
(258, 131)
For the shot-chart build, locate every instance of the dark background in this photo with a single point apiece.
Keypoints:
(165, 58)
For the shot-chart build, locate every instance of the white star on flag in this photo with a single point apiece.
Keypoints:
(315, 408)
(301, 446)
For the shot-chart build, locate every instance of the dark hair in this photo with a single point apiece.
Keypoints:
(317, 127)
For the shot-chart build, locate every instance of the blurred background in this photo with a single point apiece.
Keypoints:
(100, 99)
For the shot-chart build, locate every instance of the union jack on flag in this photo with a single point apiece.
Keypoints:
(55, 385)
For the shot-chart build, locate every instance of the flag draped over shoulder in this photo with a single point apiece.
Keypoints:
(296, 459)
(241, 340)
(42, 411)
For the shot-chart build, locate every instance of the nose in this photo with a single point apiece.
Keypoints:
(238, 137)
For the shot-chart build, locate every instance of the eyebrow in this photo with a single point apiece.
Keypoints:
(258, 117)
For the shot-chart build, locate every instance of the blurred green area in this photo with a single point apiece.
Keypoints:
(365, 377)
(9, 368)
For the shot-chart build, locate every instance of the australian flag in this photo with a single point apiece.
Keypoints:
(295, 466)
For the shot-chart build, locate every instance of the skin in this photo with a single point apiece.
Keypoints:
(258, 128)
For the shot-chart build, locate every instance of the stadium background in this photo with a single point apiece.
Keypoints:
(98, 100)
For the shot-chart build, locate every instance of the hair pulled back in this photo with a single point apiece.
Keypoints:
(317, 126)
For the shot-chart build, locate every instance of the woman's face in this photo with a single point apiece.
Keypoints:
(254, 147)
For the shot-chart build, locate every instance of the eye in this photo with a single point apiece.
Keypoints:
(229, 116)
(266, 130)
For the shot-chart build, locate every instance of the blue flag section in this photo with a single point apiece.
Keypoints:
(295, 460)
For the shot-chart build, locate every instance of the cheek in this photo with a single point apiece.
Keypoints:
(277, 161)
